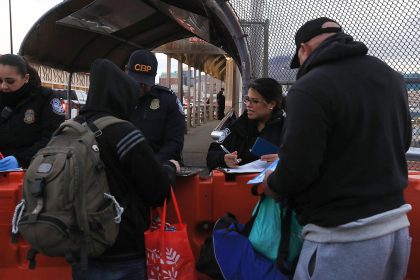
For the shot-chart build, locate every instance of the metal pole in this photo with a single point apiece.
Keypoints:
(211, 97)
(189, 97)
(168, 71)
(69, 105)
(180, 88)
(206, 108)
(194, 111)
(10, 26)
(265, 62)
(199, 111)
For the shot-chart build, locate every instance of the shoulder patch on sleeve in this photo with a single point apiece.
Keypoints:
(56, 106)
(225, 133)
(128, 142)
(180, 107)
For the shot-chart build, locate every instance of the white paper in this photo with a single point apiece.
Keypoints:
(252, 167)
(260, 177)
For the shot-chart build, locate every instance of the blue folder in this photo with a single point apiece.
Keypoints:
(263, 147)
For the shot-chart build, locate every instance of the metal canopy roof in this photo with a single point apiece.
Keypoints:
(198, 54)
(74, 33)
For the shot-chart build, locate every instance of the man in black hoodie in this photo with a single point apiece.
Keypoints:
(134, 175)
(342, 162)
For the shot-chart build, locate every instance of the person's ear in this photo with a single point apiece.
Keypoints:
(304, 51)
(272, 104)
(26, 78)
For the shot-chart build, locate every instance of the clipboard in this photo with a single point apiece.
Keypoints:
(186, 171)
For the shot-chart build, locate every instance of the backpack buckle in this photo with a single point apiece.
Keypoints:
(98, 133)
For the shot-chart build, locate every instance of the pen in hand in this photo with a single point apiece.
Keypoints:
(227, 152)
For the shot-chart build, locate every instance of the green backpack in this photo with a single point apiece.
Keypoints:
(67, 209)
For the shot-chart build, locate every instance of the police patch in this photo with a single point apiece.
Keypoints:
(155, 104)
(225, 133)
(29, 116)
(56, 106)
(180, 107)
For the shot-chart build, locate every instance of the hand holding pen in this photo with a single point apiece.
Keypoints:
(231, 159)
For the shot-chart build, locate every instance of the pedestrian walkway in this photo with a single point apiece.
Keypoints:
(196, 144)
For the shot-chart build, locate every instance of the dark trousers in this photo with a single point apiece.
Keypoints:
(220, 113)
(126, 270)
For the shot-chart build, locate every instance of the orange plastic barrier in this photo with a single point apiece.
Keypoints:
(203, 200)
(232, 194)
(412, 196)
(13, 263)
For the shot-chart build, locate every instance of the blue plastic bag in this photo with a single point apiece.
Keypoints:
(9, 163)
(265, 234)
(236, 257)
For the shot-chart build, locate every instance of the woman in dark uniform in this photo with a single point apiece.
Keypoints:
(263, 118)
(29, 112)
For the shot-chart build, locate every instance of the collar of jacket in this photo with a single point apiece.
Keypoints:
(246, 127)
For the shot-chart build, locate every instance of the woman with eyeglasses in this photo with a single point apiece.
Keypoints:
(29, 113)
(263, 118)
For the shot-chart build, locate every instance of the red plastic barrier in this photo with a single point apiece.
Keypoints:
(194, 198)
(232, 194)
(412, 196)
(13, 263)
(203, 200)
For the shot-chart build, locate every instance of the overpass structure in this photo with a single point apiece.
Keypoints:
(228, 41)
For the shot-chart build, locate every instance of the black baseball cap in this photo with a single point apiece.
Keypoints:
(309, 30)
(142, 67)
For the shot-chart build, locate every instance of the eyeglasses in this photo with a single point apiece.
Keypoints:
(8, 81)
(253, 101)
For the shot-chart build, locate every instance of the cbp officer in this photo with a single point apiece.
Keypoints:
(159, 114)
(29, 112)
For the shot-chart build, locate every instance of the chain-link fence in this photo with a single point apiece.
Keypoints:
(390, 29)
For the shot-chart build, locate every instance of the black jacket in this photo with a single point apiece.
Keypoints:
(160, 116)
(36, 114)
(347, 130)
(135, 177)
(241, 136)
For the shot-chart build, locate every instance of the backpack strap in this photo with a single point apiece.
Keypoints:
(96, 127)
(104, 122)
(246, 231)
(286, 229)
(31, 257)
(72, 124)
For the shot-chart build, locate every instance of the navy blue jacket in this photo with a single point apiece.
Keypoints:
(160, 117)
(29, 127)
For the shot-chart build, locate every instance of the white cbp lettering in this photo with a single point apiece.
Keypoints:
(142, 67)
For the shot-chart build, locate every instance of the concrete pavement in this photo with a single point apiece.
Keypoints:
(196, 144)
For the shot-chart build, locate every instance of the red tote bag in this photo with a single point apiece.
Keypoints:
(169, 254)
